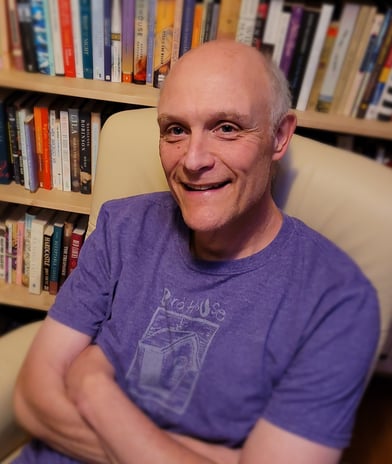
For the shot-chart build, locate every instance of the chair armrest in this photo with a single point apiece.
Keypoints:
(13, 348)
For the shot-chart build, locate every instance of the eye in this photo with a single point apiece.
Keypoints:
(173, 133)
(227, 130)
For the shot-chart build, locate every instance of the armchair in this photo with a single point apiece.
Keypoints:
(346, 197)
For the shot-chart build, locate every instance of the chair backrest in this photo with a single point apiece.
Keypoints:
(346, 197)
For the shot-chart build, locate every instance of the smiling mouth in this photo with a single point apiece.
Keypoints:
(204, 188)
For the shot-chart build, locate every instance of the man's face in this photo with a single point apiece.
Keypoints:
(216, 146)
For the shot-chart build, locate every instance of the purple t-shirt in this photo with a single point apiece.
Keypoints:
(208, 348)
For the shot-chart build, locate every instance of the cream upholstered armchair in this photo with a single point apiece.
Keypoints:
(346, 197)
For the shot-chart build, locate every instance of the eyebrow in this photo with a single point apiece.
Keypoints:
(219, 115)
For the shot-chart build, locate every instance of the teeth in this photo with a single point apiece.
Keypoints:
(203, 187)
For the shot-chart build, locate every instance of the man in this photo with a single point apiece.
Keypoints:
(204, 326)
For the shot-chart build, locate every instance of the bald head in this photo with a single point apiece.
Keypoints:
(249, 70)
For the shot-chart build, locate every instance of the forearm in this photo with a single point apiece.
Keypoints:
(129, 436)
(47, 413)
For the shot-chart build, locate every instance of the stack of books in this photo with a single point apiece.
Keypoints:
(49, 141)
(337, 58)
(39, 247)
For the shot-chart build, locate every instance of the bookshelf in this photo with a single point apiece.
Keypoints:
(139, 95)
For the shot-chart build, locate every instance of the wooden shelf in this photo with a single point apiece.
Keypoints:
(67, 201)
(16, 295)
(148, 96)
(77, 87)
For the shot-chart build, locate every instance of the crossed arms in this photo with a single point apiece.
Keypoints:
(66, 395)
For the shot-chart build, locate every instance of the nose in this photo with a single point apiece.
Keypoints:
(198, 155)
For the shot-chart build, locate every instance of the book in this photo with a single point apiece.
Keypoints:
(271, 30)
(150, 42)
(141, 37)
(4, 211)
(15, 36)
(30, 214)
(116, 37)
(42, 140)
(355, 91)
(280, 38)
(187, 26)
(67, 41)
(42, 36)
(55, 142)
(85, 146)
(77, 37)
(5, 39)
(302, 50)
(6, 168)
(384, 107)
(323, 23)
(20, 232)
(197, 23)
(36, 258)
(57, 44)
(321, 68)
(46, 252)
(346, 26)
(296, 14)
(13, 139)
(65, 145)
(107, 40)
(177, 27)
(86, 38)
(127, 39)
(56, 247)
(261, 19)
(163, 40)
(77, 240)
(31, 154)
(69, 226)
(24, 112)
(96, 124)
(348, 68)
(384, 44)
(228, 19)
(372, 110)
(97, 20)
(74, 143)
(11, 221)
(246, 21)
(27, 35)
(211, 24)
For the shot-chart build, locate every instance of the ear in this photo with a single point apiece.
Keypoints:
(283, 135)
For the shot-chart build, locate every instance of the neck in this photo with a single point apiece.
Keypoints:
(237, 241)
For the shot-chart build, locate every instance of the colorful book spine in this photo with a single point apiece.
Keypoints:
(87, 39)
(302, 51)
(77, 38)
(247, 21)
(12, 241)
(85, 147)
(6, 168)
(4, 209)
(163, 40)
(30, 214)
(197, 23)
(116, 38)
(27, 36)
(315, 54)
(97, 19)
(77, 240)
(65, 149)
(20, 233)
(107, 40)
(141, 38)
(69, 226)
(46, 251)
(177, 26)
(261, 19)
(31, 155)
(346, 26)
(15, 36)
(5, 40)
(228, 19)
(296, 14)
(150, 42)
(42, 36)
(127, 38)
(187, 26)
(55, 146)
(74, 144)
(65, 15)
(56, 37)
(380, 58)
(55, 256)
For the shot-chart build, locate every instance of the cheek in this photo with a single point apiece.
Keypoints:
(170, 154)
